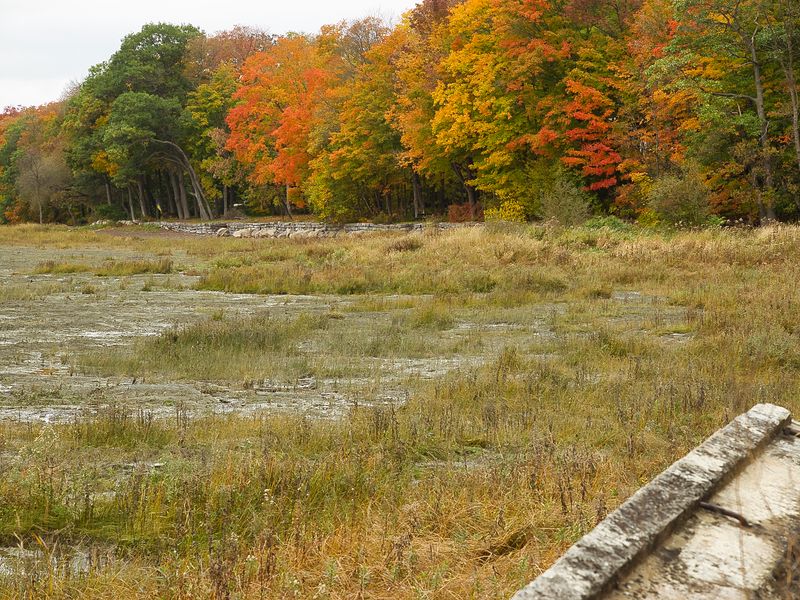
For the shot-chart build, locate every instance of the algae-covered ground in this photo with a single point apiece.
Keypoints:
(426, 415)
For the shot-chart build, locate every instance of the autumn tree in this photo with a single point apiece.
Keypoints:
(205, 54)
(783, 47)
(533, 108)
(129, 112)
(33, 171)
(719, 51)
(11, 127)
(207, 109)
(273, 114)
(41, 174)
(356, 168)
(421, 47)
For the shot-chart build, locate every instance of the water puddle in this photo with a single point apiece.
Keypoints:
(72, 561)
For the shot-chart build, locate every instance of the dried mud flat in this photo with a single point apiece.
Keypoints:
(48, 321)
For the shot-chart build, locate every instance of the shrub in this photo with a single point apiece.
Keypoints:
(104, 212)
(565, 202)
(459, 213)
(511, 211)
(648, 218)
(407, 243)
(611, 222)
(680, 199)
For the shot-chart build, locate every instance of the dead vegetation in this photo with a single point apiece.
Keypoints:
(603, 356)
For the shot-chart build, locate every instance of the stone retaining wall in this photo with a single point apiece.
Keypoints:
(298, 229)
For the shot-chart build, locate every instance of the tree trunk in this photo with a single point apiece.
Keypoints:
(766, 160)
(417, 192)
(142, 199)
(442, 196)
(187, 213)
(464, 174)
(788, 70)
(202, 203)
(288, 204)
(166, 183)
(790, 19)
(201, 208)
(41, 212)
(795, 115)
(224, 199)
(108, 192)
(173, 182)
(791, 83)
(472, 198)
(130, 203)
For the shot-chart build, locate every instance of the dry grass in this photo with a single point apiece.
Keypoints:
(109, 268)
(469, 489)
(240, 349)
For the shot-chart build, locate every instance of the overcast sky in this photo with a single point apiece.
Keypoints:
(46, 44)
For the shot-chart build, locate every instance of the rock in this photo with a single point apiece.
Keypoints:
(299, 229)
(222, 232)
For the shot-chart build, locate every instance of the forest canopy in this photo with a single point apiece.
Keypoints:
(661, 111)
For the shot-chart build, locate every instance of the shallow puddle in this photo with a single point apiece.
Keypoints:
(33, 562)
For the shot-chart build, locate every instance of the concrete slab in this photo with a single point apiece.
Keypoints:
(714, 556)
(658, 542)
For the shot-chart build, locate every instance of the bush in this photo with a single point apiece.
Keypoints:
(680, 199)
(408, 243)
(612, 223)
(510, 211)
(565, 202)
(648, 218)
(105, 212)
(459, 213)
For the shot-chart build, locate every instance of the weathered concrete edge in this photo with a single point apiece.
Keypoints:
(594, 563)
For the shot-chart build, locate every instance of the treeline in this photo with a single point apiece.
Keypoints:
(680, 111)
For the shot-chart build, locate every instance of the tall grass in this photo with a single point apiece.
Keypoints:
(246, 348)
(109, 268)
(470, 488)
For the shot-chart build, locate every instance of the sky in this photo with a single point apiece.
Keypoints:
(46, 45)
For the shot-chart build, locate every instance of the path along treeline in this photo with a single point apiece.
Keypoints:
(658, 110)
